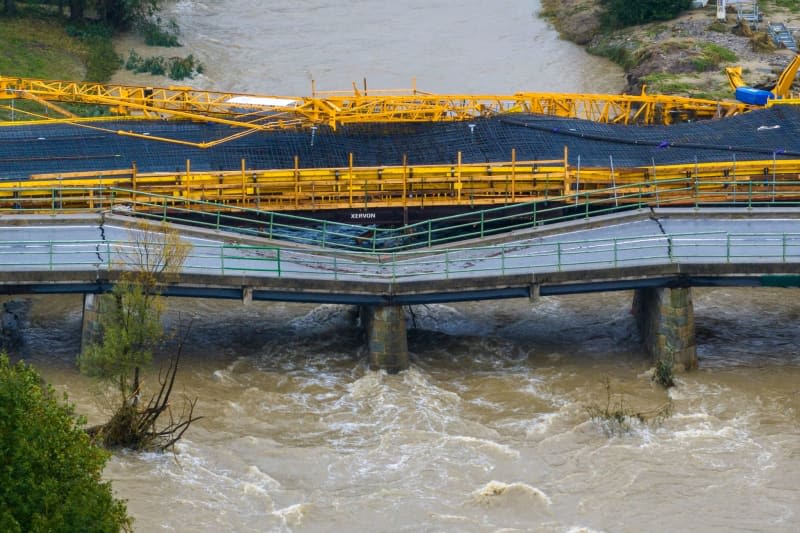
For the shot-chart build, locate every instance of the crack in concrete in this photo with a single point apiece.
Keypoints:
(655, 219)
(102, 229)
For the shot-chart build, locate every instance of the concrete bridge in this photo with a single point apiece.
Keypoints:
(660, 253)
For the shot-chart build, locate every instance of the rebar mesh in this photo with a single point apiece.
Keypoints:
(56, 148)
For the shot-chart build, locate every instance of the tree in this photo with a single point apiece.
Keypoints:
(130, 323)
(50, 473)
(76, 9)
(10, 7)
(620, 13)
(122, 14)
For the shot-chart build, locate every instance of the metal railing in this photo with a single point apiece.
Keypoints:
(473, 262)
(442, 231)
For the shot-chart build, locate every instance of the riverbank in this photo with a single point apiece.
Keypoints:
(51, 47)
(684, 56)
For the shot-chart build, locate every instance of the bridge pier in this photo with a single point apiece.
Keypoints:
(387, 344)
(666, 321)
(90, 323)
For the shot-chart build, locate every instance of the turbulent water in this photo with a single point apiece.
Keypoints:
(488, 431)
(469, 46)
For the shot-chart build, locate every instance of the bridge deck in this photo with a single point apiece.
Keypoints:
(621, 251)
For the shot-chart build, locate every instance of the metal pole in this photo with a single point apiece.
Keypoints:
(613, 180)
(784, 247)
(558, 250)
(513, 174)
(350, 162)
(774, 177)
(727, 247)
(296, 180)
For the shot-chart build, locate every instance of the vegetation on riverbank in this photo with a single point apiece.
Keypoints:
(47, 46)
(42, 41)
(685, 55)
(51, 479)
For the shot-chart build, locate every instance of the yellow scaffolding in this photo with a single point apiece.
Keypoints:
(406, 186)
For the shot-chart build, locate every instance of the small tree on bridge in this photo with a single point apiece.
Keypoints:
(130, 324)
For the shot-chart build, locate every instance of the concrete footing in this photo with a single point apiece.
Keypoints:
(387, 344)
(666, 322)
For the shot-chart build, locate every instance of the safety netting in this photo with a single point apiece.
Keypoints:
(56, 148)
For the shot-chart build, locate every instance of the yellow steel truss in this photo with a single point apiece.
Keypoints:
(259, 112)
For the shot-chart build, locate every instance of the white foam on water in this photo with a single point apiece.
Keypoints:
(293, 515)
(502, 449)
(495, 492)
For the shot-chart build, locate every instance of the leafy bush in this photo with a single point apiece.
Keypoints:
(177, 68)
(50, 478)
(663, 372)
(101, 60)
(157, 34)
(620, 13)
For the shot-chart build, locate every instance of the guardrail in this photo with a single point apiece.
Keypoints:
(440, 231)
(473, 262)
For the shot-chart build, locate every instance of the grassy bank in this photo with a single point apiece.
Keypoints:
(50, 47)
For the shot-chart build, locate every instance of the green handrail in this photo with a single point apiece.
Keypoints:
(429, 233)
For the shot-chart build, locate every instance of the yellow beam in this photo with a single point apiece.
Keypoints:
(408, 186)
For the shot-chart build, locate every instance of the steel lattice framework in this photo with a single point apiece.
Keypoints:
(259, 112)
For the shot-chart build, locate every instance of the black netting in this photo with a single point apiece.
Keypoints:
(67, 148)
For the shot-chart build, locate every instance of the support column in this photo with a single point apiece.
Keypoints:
(385, 328)
(666, 322)
(90, 324)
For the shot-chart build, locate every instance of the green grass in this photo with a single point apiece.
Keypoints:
(40, 48)
(791, 5)
(48, 47)
(620, 53)
(667, 83)
(711, 56)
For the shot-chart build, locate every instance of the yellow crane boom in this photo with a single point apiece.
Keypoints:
(260, 112)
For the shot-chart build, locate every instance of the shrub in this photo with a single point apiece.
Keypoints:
(616, 418)
(50, 478)
(177, 68)
(156, 33)
(620, 13)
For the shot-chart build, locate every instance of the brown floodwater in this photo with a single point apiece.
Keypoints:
(488, 431)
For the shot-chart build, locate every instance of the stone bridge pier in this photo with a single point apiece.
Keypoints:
(385, 331)
(666, 321)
